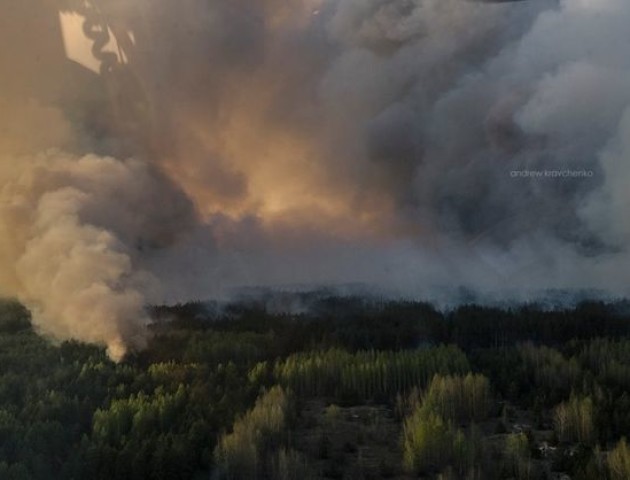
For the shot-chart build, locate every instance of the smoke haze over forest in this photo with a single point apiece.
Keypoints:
(407, 145)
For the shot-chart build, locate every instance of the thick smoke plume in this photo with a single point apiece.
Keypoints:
(408, 144)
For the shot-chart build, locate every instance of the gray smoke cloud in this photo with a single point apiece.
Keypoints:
(407, 144)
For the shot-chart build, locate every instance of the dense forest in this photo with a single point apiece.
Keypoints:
(327, 387)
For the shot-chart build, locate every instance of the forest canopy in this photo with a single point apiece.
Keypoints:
(348, 388)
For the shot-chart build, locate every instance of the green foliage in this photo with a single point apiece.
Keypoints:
(221, 347)
(367, 374)
(291, 465)
(553, 374)
(609, 359)
(138, 416)
(67, 412)
(618, 461)
(243, 453)
(430, 439)
(458, 399)
(574, 420)
(431, 443)
(427, 442)
(517, 456)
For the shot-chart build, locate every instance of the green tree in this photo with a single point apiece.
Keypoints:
(618, 461)
(517, 456)
(574, 420)
(243, 453)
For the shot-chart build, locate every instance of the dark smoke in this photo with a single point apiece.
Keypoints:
(404, 144)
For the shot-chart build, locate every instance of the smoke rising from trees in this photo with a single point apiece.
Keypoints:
(320, 142)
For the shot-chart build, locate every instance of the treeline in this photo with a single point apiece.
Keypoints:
(68, 412)
(366, 374)
(356, 323)
(221, 391)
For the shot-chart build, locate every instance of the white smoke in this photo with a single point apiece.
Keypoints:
(69, 226)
